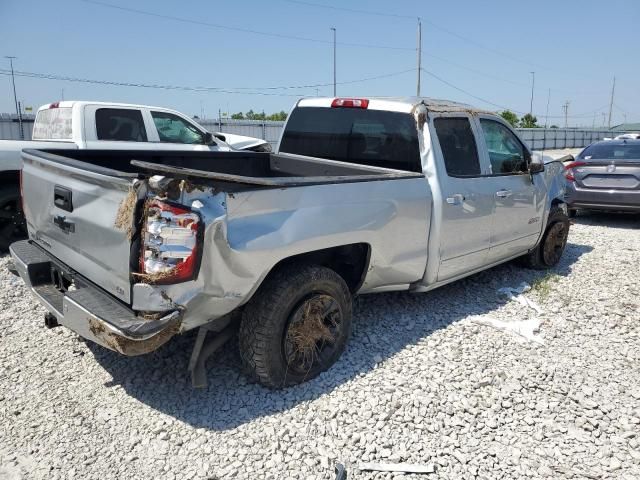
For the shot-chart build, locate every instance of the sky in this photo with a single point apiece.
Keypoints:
(232, 56)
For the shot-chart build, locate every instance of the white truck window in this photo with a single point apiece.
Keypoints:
(53, 124)
(120, 124)
(173, 129)
(458, 147)
(506, 153)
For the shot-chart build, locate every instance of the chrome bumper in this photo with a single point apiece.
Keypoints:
(87, 310)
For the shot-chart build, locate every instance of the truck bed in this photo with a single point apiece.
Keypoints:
(236, 169)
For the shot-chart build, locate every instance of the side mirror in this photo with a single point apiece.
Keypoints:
(208, 138)
(536, 167)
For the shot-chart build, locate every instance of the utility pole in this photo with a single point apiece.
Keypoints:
(604, 119)
(565, 107)
(334, 61)
(533, 82)
(613, 89)
(419, 55)
(546, 115)
(15, 97)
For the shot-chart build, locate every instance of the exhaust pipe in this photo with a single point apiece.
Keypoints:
(50, 321)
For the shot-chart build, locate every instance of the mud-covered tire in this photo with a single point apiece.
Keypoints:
(12, 223)
(548, 252)
(278, 308)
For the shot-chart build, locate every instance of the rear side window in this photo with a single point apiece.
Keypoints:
(366, 137)
(458, 147)
(53, 124)
(120, 124)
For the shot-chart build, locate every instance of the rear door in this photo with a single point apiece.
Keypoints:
(116, 128)
(467, 205)
(519, 197)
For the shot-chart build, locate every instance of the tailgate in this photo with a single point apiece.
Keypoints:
(71, 209)
(612, 175)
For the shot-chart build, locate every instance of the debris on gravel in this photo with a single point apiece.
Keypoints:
(418, 384)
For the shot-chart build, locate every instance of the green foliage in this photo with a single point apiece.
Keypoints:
(510, 117)
(529, 121)
(251, 115)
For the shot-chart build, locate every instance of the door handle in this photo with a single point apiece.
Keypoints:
(455, 199)
(504, 193)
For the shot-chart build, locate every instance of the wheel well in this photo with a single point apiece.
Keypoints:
(349, 261)
(10, 177)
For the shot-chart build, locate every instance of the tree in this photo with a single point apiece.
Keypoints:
(529, 121)
(510, 117)
(251, 115)
(279, 116)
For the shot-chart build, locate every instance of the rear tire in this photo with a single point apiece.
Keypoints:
(12, 223)
(548, 252)
(296, 326)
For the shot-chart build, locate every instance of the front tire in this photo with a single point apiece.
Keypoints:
(296, 326)
(548, 252)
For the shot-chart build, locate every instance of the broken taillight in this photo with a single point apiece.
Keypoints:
(170, 244)
(568, 170)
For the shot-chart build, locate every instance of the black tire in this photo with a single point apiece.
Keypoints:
(548, 252)
(12, 223)
(296, 326)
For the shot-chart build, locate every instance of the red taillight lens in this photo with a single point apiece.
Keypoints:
(170, 248)
(568, 170)
(350, 103)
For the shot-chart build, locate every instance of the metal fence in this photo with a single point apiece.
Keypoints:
(555, 138)
(536, 138)
(10, 126)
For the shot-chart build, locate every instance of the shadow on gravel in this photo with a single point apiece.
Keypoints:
(384, 324)
(629, 221)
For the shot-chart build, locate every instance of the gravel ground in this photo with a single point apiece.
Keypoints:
(419, 383)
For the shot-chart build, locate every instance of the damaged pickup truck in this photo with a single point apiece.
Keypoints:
(130, 248)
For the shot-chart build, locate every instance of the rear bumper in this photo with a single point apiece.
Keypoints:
(89, 311)
(598, 199)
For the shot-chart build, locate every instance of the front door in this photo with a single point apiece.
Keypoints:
(519, 201)
(467, 205)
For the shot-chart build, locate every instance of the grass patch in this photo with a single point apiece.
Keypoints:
(543, 285)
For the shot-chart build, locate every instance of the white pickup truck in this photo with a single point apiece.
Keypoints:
(100, 125)
(131, 248)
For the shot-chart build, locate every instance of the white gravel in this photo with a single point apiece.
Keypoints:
(418, 384)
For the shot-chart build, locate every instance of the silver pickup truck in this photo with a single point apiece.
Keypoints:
(129, 248)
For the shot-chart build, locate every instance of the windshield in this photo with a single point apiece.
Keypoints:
(611, 151)
(354, 135)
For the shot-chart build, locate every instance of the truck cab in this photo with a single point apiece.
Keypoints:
(490, 198)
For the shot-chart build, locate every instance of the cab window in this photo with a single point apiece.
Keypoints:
(506, 154)
(173, 129)
(120, 124)
(458, 146)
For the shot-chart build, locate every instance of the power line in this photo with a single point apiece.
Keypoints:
(489, 102)
(413, 17)
(236, 90)
(239, 29)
